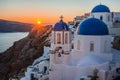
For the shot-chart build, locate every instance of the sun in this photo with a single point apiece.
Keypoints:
(38, 22)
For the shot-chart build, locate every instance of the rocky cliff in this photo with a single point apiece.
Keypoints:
(23, 52)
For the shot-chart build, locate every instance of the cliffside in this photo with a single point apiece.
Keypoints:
(23, 52)
(12, 26)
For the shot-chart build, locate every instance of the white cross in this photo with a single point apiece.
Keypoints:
(61, 17)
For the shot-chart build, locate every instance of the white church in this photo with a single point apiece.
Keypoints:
(76, 56)
(91, 47)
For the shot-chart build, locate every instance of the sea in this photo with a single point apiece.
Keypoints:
(7, 39)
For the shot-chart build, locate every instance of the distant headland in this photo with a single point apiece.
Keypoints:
(13, 26)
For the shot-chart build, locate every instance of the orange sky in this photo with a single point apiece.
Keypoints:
(49, 11)
(34, 17)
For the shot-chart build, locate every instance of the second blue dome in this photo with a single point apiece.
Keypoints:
(100, 8)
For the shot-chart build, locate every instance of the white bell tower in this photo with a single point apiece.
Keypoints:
(60, 42)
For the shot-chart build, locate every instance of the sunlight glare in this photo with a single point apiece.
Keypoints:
(38, 22)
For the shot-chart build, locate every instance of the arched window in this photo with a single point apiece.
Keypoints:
(59, 38)
(78, 45)
(91, 46)
(101, 17)
(66, 38)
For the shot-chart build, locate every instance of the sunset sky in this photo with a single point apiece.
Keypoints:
(48, 11)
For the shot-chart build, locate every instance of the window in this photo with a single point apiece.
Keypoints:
(66, 38)
(101, 18)
(78, 45)
(58, 38)
(105, 46)
(91, 46)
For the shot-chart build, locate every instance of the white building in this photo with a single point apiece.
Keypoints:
(92, 49)
(39, 67)
(116, 17)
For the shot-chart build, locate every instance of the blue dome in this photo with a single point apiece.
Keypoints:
(61, 26)
(100, 8)
(92, 26)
